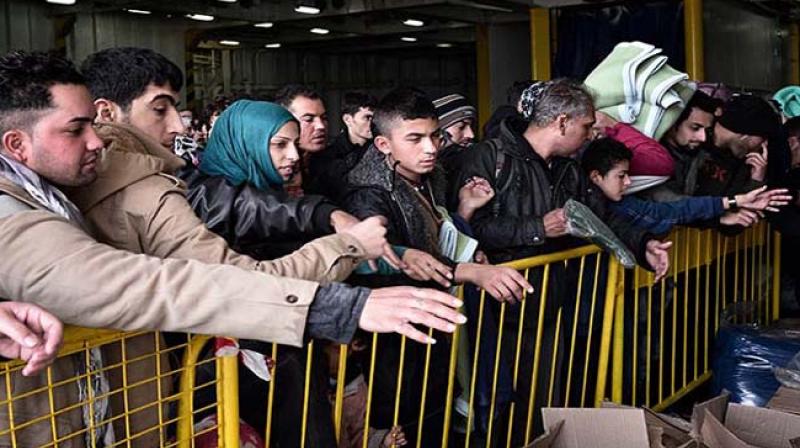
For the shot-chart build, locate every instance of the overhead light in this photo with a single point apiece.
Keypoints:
(200, 17)
(62, 2)
(477, 5)
(444, 45)
(275, 45)
(230, 43)
(303, 9)
(138, 11)
(227, 1)
(408, 39)
(263, 25)
(413, 22)
(320, 30)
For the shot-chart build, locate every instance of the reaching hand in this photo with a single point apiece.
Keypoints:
(502, 283)
(761, 199)
(395, 437)
(29, 333)
(476, 193)
(371, 233)
(422, 266)
(758, 163)
(394, 310)
(658, 257)
(742, 217)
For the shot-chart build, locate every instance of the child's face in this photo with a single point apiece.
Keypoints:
(414, 144)
(615, 182)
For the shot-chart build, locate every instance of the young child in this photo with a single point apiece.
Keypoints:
(606, 162)
(354, 403)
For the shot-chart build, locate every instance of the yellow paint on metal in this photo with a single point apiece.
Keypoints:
(228, 385)
(540, 43)
(693, 38)
(339, 400)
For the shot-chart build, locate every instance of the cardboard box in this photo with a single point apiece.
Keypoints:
(739, 426)
(786, 399)
(715, 423)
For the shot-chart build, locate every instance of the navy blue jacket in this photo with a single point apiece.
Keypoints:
(660, 217)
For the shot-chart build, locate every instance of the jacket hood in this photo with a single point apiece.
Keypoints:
(128, 157)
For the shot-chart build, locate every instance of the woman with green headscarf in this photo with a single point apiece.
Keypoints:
(238, 189)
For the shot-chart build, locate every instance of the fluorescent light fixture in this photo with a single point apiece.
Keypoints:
(264, 25)
(138, 11)
(444, 45)
(227, 1)
(302, 9)
(408, 39)
(230, 43)
(200, 17)
(320, 30)
(275, 45)
(413, 22)
(62, 2)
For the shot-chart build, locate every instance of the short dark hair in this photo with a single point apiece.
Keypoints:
(289, 92)
(405, 103)
(25, 81)
(561, 96)
(792, 127)
(353, 101)
(122, 74)
(602, 154)
(699, 100)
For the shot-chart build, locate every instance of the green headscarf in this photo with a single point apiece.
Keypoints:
(239, 146)
(789, 99)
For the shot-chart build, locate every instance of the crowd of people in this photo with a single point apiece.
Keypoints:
(263, 227)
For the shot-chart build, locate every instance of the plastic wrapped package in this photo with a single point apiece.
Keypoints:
(583, 223)
(745, 359)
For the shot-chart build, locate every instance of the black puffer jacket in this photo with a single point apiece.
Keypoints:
(511, 225)
(328, 169)
(263, 224)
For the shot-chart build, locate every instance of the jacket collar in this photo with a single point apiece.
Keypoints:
(512, 131)
(128, 157)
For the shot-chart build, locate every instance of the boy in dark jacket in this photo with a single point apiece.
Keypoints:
(606, 162)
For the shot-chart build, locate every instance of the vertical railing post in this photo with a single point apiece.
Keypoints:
(614, 299)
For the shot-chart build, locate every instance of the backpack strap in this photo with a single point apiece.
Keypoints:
(502, 174)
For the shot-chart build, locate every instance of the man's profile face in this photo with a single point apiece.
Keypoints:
(313, 123)
(359, 123)
(461, 132)
(63, 146)
(154, 112)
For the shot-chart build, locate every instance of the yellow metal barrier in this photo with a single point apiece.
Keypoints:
(664, 332)
(109, 388)
(589, 331)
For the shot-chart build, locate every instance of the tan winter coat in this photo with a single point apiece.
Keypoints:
(51, 262)
(135, 205)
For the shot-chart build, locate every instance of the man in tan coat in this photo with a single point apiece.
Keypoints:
(48, 141)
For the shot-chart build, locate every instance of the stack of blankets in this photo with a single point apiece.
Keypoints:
(634, 85)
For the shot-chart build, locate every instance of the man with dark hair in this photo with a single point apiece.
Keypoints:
(738, 147)
(684, 141)
(397, 178)
(48, 142)
(138, 87)
(306, 105)
(327, 170)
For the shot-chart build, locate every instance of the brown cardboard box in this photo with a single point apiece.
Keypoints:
(786, 399)
(739, 426)
(587, 427)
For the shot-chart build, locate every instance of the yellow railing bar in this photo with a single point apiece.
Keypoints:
(339, 400)
(186, 401)
(537, 352)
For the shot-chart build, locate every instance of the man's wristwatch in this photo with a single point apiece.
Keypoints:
(732, 204)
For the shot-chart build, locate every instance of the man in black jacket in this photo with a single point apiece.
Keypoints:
(531, 167)
(327, 170)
